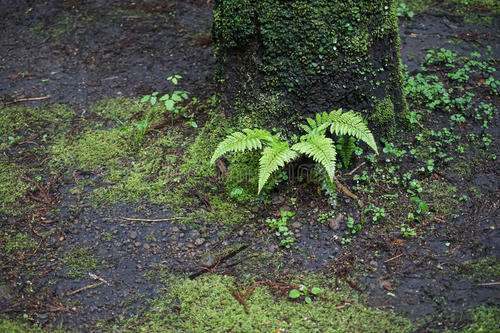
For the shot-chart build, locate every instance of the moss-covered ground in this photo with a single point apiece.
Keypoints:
(113, 219)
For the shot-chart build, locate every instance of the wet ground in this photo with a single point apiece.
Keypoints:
(78, 52)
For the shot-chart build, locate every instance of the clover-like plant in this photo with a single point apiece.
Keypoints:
(315, 143)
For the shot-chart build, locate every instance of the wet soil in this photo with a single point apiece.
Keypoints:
(79, 52)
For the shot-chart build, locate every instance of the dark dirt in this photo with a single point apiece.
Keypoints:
(80, 52)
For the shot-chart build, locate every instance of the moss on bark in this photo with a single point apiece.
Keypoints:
(314, 54)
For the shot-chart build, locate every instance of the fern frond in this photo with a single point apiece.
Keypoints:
(321, 149)
(274, 157)
(351, 123)
(248, 139)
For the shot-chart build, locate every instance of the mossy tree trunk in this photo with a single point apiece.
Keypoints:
(283, 59)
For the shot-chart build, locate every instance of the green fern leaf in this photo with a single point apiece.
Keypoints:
(248, 139)
(274, 157)
(351, 123)
(321, 149)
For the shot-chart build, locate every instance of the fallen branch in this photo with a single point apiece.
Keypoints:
(26, 99)
(218, 262)
(489, 284)
(95, 277)
(133, 219)
(345, 190)
(391, 259)
(356, 169)
(90, 286)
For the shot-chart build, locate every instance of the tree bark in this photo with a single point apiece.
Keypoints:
(280, 60)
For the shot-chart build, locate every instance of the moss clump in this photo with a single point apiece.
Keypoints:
(482, 270)
(18, 242)
(383, 115)
(18, 326)
(94, 149)
(79, 262)
(118, 110)
(207, 304)
(19, 123)
(12, 188)
(485, 319)
(442, 197)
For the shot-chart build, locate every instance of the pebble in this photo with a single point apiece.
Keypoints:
(133, 234)
(334, 224)
(208, 261)
(199, 241)
(296, 225)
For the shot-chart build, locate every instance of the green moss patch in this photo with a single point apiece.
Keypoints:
(43, 124)
(483, 270)
(80, 261)
(18, 242)
(207, 304)
(93, 150)
(485, 319)
(12, 188)
(119, 110)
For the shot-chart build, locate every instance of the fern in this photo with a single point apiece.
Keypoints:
(342, 123)
(346, 145)
(321, 149)
(248, 139)
(315, 144)
(273, 158)
(352, 124)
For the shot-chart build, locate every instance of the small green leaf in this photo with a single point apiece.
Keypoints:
(146, 98)
(169, 105)
(153, 100)
(294, 294)
(308, 300)
(316, 291)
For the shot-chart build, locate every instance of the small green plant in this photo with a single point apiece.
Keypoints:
(305, 293)
(377, 213)
(314, 144)
(407, 231)
(404, 11)
(280, 226)
(441, 57)
(352, 226)
(172, 102)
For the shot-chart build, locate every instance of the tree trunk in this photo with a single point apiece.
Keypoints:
(283, 59)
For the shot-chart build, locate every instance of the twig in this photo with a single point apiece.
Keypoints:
(90, 286)
(489, 284)
(391, 259)
(344, 189)
(95, 277)
(218, 262)
(133, 219)
(356, 169)
(26, 99)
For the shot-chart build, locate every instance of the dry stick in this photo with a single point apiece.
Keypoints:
(344, 189)
(26, 99)
(489, 284)
(90, 286)
(356, 169)
(96, 277)
(142, 220)
(391, 259)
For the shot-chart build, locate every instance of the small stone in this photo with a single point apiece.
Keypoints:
(241, 233)
(175, 229)
(190, 245)
(199, 241)
(208, 261)
(133, 234)
(296, 225)
(137, 244)
(334, 224)
(195, 234)
(146, 246)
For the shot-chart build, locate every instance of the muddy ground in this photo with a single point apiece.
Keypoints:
(77, 53)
